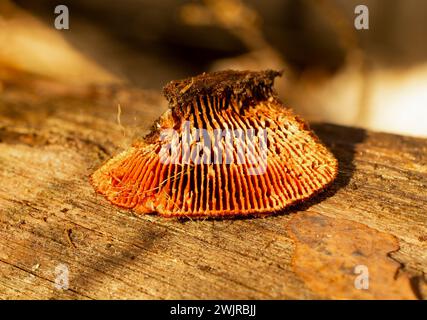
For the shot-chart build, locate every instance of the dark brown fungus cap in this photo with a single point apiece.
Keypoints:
(253, 157)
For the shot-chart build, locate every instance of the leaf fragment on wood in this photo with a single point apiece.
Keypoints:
(329, 251)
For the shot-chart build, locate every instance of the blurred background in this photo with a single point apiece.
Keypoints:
(375, 79)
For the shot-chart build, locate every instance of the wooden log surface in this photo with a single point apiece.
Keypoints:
(52, 224)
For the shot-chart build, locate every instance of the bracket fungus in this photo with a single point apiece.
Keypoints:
(225, 147)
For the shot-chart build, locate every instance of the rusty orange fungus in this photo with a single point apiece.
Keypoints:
(226, 146)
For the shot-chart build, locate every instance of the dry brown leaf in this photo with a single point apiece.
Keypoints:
(328, 251)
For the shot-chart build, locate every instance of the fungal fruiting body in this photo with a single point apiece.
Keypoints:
(226, 146)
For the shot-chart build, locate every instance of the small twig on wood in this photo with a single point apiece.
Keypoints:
(68, 233)
(119, 121)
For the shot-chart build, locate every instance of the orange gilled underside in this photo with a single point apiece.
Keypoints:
(297, 165)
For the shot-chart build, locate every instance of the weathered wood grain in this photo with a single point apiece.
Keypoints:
(52, 138)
